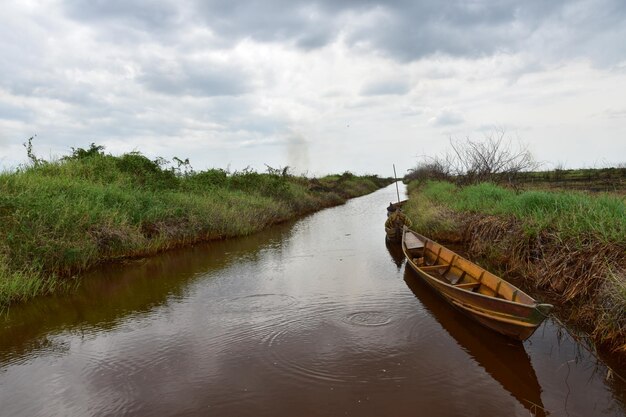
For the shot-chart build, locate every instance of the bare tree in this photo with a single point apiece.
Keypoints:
(431, 168)
(495, 158)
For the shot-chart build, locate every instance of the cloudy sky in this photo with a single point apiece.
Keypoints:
(325, 86)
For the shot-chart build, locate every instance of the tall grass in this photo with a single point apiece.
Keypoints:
(571, 214)
(60, 218)
(571, 245)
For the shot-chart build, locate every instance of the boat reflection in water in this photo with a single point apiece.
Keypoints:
(395, 251)
(504, 359)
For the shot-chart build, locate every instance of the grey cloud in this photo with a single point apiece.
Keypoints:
(267, 125)
(313, 40)
(381, 88)
(52, 84)
(403, 29)
(196, 79)
(12, 112)
(158, 116)
(307, 24)
(152, 14)
(237, 114)
(595, 30)
(549, 30)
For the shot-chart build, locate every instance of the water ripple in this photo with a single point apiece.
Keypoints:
(256, 303)
(369, 318)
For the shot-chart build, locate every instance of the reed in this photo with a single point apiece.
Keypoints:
(60, 218)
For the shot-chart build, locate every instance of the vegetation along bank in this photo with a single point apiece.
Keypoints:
(568, 246)
(60, 218)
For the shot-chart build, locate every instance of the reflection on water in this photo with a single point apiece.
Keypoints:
(504, 359)
(117, 292)
(395, 252)
(316, 317)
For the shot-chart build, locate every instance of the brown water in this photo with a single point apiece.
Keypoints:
(312, 318)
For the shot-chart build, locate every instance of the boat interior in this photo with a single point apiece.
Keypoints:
(448, 267)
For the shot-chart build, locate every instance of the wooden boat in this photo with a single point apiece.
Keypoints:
(393, 234)
(483, 296)
(393, 206)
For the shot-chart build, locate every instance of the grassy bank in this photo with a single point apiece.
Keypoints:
(569, 246)
(60, 218)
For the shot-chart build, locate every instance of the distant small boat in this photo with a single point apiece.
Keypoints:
(393, 206)
(394, 234)
(483, 296)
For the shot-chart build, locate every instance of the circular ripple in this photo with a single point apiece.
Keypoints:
(314, 346)
(258, 302)
(311, 353)
(368, 318)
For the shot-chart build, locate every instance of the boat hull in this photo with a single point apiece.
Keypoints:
(393, 234)
(514, 319)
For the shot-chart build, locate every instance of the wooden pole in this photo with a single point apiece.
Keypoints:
(396, 178)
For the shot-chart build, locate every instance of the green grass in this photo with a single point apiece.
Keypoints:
(20, 285)
(569, 244)
(428, 217)
(571, 214)
(60, 218)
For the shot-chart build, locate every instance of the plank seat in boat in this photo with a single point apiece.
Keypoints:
(468, 285)
(412, 242)
(438, 272)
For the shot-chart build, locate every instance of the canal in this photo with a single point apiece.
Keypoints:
(317, 317)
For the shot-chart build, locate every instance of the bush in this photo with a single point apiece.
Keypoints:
(145, 173)
(80, 153)
(207, 180)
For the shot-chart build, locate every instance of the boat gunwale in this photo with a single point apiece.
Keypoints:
(464, 291)
(500, 317)
(495, 315)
